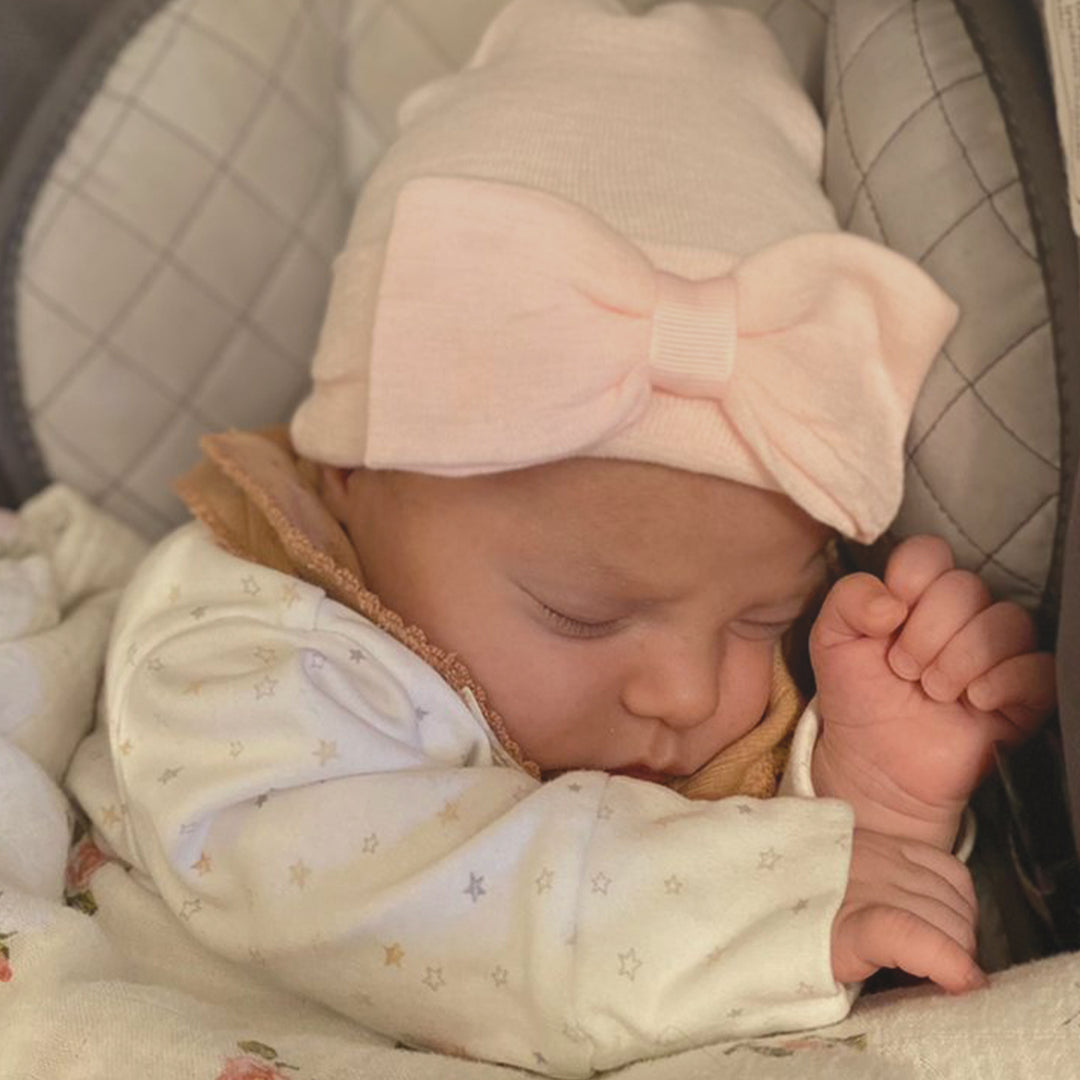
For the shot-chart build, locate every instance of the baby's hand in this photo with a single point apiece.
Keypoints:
(907, 906)
(918, 676)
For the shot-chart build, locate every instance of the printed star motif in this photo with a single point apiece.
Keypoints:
(299, 873)
(500, 976)
(475, 888)
(126, 747)
(575, 1033)
(256, 956)
(261, 800)
(540, 1059)
(265, 687)
(193, 688)
(735, 1013)
(604, 812)
(629, 964)
(251, 586)
(800, 905)
(544, 881)
(363, 999)
(110, 815)
(236, 748)
(519, 793)
(188, 828)
(715, 955)
(673, 885)
(768, 859)
(806, 989)
(371, 844)
(154, 664)
(744, 808)
(600, 883)
(420, 713)
(433, 979)
(316, 660)
(198, 612)
(394, 955)
(356, 655)
(189, 908)
(327, 751)
(842, 841)
(170, 774)
(449, 812)
(265, 653)
(574, 786)
(290, 595)
(202, 865)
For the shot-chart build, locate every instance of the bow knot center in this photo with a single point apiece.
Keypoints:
(692, 351)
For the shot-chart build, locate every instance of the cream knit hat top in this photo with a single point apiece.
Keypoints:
(606, 237)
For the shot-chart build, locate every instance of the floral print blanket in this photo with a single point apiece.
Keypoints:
(97, 978)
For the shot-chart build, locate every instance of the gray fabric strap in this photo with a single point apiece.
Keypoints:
(1008, 38)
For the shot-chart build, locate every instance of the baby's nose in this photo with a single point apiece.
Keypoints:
(676, 681)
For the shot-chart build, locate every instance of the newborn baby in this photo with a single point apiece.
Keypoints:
(462, 707)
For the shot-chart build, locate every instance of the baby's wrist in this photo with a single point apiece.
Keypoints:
(880, 807)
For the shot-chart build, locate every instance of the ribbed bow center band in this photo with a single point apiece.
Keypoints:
(692, 351)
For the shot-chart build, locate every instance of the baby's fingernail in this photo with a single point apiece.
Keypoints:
(903, 664)
(881, 606)
(978, 693)
(977, 980)
(937, 685)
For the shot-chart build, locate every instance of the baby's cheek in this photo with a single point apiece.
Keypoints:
(745, 685)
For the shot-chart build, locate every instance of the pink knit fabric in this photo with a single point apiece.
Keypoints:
(517, 288)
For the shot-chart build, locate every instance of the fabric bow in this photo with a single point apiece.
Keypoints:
(513, 328)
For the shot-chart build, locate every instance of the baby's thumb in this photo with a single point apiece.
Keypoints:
(857, 606)
(877, 937)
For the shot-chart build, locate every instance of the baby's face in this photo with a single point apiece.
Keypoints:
(620, 616)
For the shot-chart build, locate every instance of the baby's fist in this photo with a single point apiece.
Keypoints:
(956, 642)
(918, 677)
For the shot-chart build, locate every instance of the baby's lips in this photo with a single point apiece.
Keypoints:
(639, 772)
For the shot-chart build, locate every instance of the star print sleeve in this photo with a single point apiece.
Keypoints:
(314, 802)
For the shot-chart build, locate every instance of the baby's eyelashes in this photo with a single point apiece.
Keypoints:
(577, 627)
(755, 630)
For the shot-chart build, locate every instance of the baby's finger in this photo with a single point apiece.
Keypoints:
(946, 606)
(915, 565)
(858, 605)
(1022, 688)
(993, 635)
(892, 937)
(949, 869)
(941, 916)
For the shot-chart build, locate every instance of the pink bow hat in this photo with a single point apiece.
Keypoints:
(530, 309)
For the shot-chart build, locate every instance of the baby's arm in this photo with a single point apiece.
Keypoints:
(918, 676)
(310, 798)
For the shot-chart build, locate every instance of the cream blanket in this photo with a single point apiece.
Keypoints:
(125, 992)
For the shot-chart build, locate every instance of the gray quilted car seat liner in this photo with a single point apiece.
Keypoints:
(55, 53)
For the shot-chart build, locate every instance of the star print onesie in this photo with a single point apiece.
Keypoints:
(316, 803)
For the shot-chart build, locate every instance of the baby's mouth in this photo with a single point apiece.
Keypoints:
(639, 772)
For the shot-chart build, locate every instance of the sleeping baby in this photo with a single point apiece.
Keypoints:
(462, 706)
